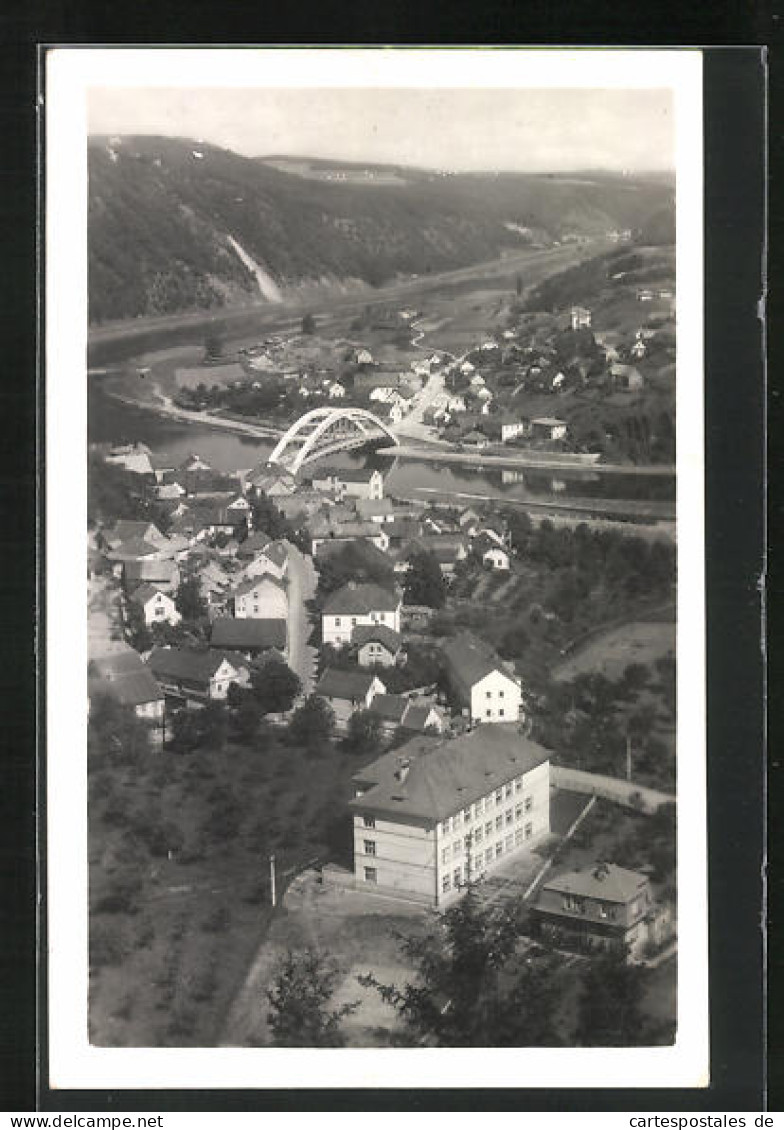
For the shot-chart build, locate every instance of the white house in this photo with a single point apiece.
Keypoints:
(548, 427)
(336, 390)
(580, 317)
(376, 644)
(480, 682)
(156, 604)
(263, 598)
(357, 604)
(435, 814)
(492, 553)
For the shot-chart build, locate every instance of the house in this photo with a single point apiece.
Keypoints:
(135, 457)
(348, 692)
(548, 427)
(196, 676)
(252, 637)
(357, 604)
(435, 814)
(170, 492)
(164, 574)
(396, 711)
(508, 427)
(272, 483)
(261, 598)
(203, 520)
(626, 377)
(416, 617)
(335, 390)
(128, 530)
(156, 605)
(328, 527)
(260, 555)
(363, 357)
(376, 644)
(448, 549)
(468, 519)
(122, 675)
(603, 906)
(381, 510)
(580, 318)
(491, 553)
(639, 349)
(301, 506)
(359, 482)
(480, 681)
(475, 438)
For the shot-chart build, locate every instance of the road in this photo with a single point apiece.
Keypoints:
(302, 586)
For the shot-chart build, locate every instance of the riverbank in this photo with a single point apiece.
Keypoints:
(537, 462)
(162, 405)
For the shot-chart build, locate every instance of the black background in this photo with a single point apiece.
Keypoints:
(735, 130)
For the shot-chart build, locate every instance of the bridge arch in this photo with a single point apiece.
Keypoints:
(308, 437)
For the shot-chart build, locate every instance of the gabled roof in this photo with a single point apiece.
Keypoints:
(376, 633)
(257, 582)
(253, 544)
(603, 881)
(355, 474)
(484, 544)
(148, 592)
(350, 685)
(549, 421)
(132, 549)
(446, 774)
(185, 665)
(123, 675)
(360, 600)
(154, 570)
(127, 528)
(251, 634)
(471, 659)
(390, 707)
(417, 717)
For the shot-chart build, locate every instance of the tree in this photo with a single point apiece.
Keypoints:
(308, 324)
(424, 582)
(213, 346)
(188, 599)
(275, 686)
(470, 989)
(312, 723)
(114, 732)
(365, 731)
(299, 1015)
(139, 635)
(609, 1011)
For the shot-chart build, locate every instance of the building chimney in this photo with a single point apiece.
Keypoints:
(402, 770)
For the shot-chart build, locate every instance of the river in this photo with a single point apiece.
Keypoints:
(112, 421)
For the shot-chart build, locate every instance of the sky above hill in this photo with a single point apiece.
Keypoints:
(538, 130)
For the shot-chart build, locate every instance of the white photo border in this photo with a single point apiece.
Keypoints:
(73, 1062)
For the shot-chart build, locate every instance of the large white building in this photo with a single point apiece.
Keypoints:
(263, 597)
(434, 815)
(480, 681)
(355, 604)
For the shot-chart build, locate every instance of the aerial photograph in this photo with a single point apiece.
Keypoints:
(381, 567)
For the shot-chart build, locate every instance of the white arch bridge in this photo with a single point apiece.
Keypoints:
(325, 431)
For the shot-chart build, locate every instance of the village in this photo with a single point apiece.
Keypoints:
(483, 697)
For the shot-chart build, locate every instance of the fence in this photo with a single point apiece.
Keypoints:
(626, 793)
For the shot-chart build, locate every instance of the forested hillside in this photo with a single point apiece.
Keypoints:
(163, 214)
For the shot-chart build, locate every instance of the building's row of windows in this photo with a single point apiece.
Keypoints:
(463, 848)
(483, 860)
(480, 832)
(484, 804)
(376, 618)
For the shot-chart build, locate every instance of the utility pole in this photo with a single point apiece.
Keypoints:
(628, 758)
(272, 879)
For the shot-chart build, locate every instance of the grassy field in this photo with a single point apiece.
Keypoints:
(179, 850)
(611, 652)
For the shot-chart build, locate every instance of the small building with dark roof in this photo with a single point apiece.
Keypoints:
(376, 644)
(251, 637)
(348, 691)
(122, 675)
(194, 676)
